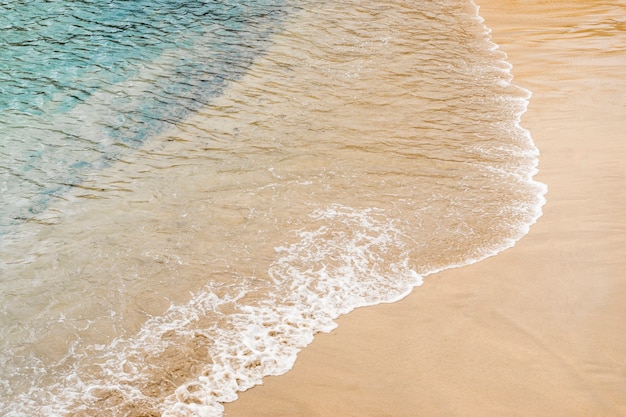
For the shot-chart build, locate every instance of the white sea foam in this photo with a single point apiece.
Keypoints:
(330, 270)
(327, 272)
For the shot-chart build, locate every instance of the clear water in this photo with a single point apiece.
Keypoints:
(191, 191)
(85, 82)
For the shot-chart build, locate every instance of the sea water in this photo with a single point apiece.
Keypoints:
(191, 190)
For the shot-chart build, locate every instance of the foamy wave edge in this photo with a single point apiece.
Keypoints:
(304, 331)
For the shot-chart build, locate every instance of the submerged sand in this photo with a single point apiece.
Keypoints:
(540, 329)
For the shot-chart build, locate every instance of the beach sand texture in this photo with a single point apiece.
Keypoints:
(540, 329)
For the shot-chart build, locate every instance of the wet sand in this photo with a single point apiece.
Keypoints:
(540, 329)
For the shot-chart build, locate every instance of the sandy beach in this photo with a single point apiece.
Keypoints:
(540, 329)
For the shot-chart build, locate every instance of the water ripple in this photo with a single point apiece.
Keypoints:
(124, 71)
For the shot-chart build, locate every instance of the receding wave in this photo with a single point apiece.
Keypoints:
(366, 147)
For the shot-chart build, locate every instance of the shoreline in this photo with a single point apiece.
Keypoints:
(539, 328)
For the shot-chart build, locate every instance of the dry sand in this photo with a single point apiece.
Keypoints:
(540, 329)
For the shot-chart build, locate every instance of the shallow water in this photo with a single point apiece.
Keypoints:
(187, 234)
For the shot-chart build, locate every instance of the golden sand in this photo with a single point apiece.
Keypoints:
(540, 329)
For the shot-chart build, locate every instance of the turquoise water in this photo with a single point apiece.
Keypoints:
(149, 63)
(190, 191)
